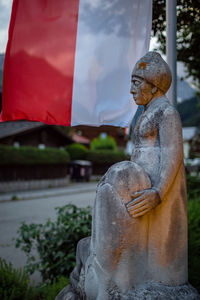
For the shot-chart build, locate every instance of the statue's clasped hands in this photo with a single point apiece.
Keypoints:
(143, 202)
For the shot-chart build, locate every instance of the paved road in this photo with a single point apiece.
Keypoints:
(36, 210)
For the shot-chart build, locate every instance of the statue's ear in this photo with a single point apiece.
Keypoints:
(154, 90)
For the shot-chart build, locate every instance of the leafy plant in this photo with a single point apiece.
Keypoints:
(103, 143)
(55, 242)
(50, 291)
(31, 155)
(193, 186)
(77, 151)
(14, 283)
(194, 242)
(47, 291)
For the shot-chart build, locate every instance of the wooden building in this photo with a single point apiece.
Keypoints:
(24, 133)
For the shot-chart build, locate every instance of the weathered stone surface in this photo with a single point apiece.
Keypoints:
(148, 291)
(138, 247)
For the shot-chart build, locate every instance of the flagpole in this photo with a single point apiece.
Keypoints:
(171, 48)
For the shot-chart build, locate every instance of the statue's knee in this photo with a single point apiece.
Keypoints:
(83, 249)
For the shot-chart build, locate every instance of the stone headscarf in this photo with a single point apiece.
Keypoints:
(155, 70)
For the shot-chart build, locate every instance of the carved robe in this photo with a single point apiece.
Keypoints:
(159, 151)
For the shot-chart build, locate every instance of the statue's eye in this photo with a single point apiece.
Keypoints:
(136, 82)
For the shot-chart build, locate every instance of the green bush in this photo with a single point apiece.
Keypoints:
(47, 291)
(194, 242)
(77, 151)
(31, 155)
(50, 291)
(103, 143)
(106, 156)
(193, 186)
(14, 284)
(55, 241)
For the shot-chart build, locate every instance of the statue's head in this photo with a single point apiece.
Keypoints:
(151, 77)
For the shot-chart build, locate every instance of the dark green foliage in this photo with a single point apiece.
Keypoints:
(50, 291)
(189, 112)
(77, 151)
(55, 241)
(14, 284)
(47, 291)
(194, 242)
(32, 155)
(106, 156)
(188, 29)
(103, 143)
(193, 187)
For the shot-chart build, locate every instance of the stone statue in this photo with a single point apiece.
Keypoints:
(138, 247)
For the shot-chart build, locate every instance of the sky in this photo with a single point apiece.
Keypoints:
(5, 11)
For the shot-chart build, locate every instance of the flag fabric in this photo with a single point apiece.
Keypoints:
(69, 62)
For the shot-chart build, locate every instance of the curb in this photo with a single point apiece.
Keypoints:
(37, 194)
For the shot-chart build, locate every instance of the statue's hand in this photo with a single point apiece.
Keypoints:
(143, 202)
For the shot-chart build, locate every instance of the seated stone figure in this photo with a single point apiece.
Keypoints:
(138, 245)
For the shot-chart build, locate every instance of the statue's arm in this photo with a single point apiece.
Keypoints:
(170, 136)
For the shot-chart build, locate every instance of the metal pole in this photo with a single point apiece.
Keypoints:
(171, 48)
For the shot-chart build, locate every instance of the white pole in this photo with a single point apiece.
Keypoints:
(171, 48)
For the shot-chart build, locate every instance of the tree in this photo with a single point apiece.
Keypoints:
(188, 32)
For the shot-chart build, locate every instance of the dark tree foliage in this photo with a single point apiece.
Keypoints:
(189, 112)
(188, 32)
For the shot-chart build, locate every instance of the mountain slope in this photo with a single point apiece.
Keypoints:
(189, 111)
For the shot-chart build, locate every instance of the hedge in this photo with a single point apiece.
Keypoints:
(27, 155)
(77, 151)
(104, 159)
(106, 156)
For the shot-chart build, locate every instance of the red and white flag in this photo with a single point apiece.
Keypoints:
(69, 62)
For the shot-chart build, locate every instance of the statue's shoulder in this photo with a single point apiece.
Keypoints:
(164, 109)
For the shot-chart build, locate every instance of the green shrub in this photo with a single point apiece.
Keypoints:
(194, 242)
(14, 284)
(47, 291)
(106, 156)
(193, 186)
(103, 143)
(31, 155)
(55, 241)
(50, 291)
(77, 151)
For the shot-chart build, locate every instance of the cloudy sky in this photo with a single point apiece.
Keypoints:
(5, 10)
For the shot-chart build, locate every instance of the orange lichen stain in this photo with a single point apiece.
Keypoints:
(117, 255)
(142, 65)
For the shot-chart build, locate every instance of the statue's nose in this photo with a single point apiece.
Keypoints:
(132, 90)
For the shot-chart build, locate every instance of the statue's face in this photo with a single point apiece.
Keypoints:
(141, 90)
